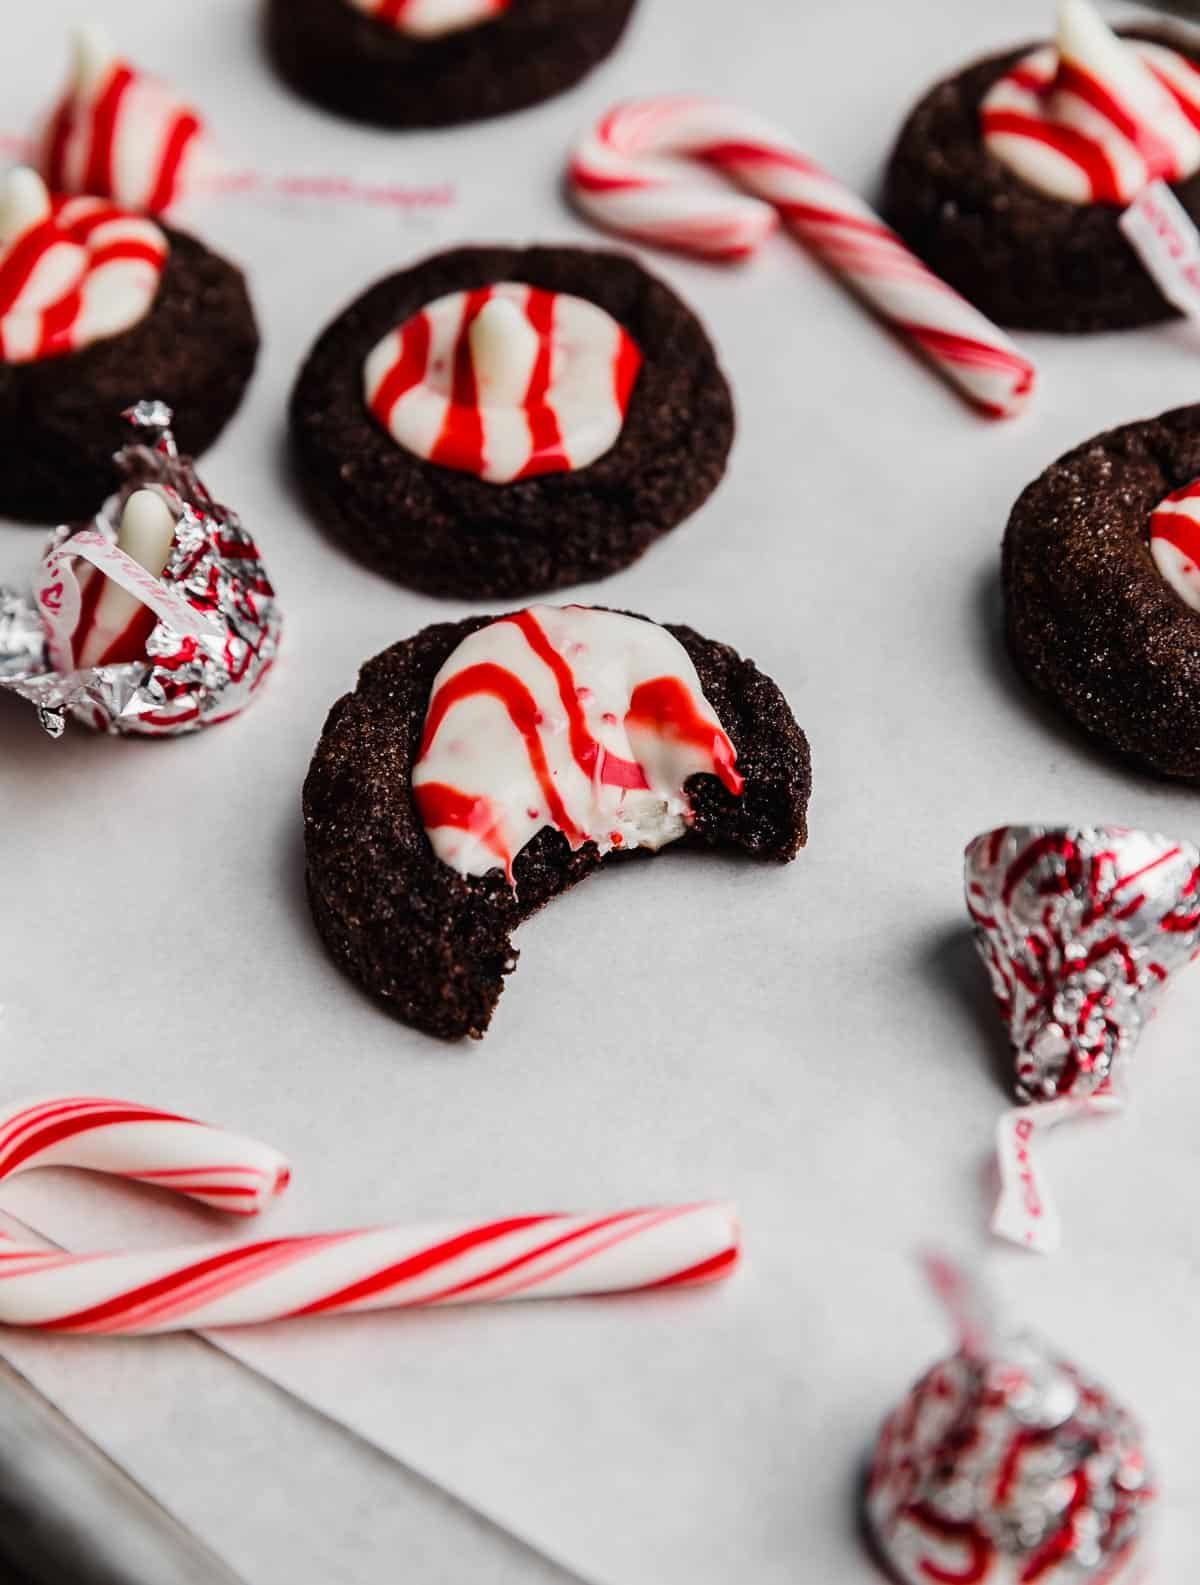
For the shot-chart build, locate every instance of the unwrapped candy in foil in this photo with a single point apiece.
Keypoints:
(186, 682)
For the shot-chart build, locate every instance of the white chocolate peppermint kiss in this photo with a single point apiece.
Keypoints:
(114, 625)
(504, 382)
(1175, 542)
(428, 19)
(72, 270)
(119, 134)
(581, 720)
(1094, 118)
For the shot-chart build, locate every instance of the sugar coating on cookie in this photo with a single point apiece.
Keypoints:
(1100, 589)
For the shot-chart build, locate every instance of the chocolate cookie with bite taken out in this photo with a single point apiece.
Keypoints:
(483, 767)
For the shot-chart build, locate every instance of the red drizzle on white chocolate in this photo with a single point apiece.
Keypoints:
(119, 134)
(586, 721)
(1175, 542)
(504, 382)
(72, 271)
(431, 18)
(1096, 118)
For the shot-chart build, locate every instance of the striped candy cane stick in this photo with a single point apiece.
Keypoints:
(216, 1285)
(125, 1140)
(620, 178)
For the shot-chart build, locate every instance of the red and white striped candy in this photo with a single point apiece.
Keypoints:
(114, 626)
(620, 178)
(1175, 542)
(431, 18)
(126, 1140)
(121, 135)
(215, 1285)
(507, 381)
(73, 271)
(1094, 118)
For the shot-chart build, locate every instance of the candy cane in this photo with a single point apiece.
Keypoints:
(215, 1285)
(618, 179)
(125, 1140)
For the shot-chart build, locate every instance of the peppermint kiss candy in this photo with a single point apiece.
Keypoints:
(505, 382)
(1078, 927)
(426, 19)
(1175, 542)
(585, 721)
(1095, 118)
(1005, 1465)
(114, 626)
(118, 134)
(73, 271)
(158, 617)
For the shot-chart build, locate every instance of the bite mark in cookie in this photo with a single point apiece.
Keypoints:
(433, 945)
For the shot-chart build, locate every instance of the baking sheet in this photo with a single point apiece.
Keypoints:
(816, 1042)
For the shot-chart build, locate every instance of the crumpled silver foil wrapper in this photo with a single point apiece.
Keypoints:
(22, 638)
(1079, 927)
(185, 683)
(1008, 1465)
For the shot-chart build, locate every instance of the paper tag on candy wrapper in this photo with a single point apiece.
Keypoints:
(58, 597)
(1166, 239)
(1024, 1213)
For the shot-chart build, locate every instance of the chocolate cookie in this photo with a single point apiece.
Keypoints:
(1024, 258)
(447, 532)
(360, 66)
(433, 945)
(1092, 623)
(61, 416)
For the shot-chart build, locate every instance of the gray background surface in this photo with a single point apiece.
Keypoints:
(815, 1043)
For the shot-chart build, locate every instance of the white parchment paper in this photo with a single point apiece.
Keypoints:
(816, 1043)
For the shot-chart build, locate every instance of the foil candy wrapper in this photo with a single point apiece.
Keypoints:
(22, 636)
(1080, 928)
(214, 576)
(1006, 1464)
